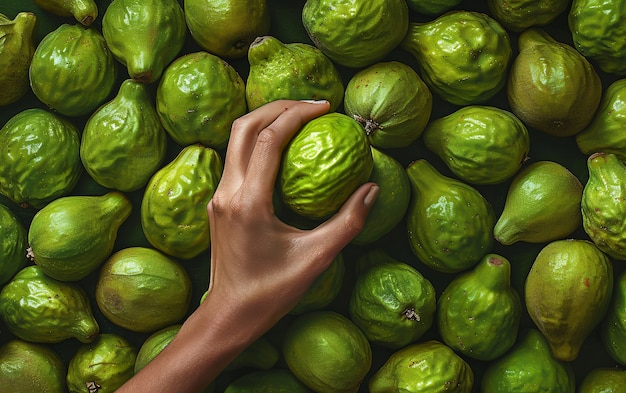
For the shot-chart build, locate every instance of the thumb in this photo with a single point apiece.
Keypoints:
(339, 230)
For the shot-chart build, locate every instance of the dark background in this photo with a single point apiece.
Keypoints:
(287, 27)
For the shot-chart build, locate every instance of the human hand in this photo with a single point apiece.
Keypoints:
(259, 264)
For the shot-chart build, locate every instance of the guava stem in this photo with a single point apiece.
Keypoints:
(410, 313)
(30, 254)
(87, 20)
(369, 124)
(92, 387)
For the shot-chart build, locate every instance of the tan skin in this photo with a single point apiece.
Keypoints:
(260, 266)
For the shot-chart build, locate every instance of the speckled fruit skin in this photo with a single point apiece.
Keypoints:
(478, 313)
(449, 223)
(602, 204)
(40, 155)
(528, 366)
(604, 133)
(123, 142)
(73, 70)
(356, 33)
(463, 56)
(598, 32)
(143, 290)
(325, 162)
(392, 103)
(40, 309)
(173, 206)
(480, 144)
(277, 69)
(198, 98)
(551, 87)
(158, 32)
(440, 370)
(30, 367)
(567, 293)
(109, 361)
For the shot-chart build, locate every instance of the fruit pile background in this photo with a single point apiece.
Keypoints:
(286, 25)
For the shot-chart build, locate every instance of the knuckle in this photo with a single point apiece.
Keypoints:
(239, 125)
(354, 223)
(267, 136)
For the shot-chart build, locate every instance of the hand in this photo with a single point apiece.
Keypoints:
(260, 266)
(256, 259)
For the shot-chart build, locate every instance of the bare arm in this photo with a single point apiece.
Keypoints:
(260, 266)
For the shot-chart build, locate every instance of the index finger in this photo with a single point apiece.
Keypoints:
(244, 134)
(267, 154)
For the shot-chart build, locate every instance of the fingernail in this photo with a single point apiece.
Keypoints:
(315, 101)
(371, 196)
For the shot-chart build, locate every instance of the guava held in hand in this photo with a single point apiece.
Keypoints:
(326, 161)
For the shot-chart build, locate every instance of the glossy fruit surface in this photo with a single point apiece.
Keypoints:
(603, 133)
(449, 222)
(391, 302)
(327, 352)
(478, 313)
(529, 366)
(463, 56)
(391, 102)
(226, 28)
(107, 363)
(13, 243)
(30, 367)
(142, 290)
(598, 33)
(527, 216)
(567, 293)
(174, 202)
(440, 370)
(158, 29)
(549, 74)
(40, 154)
(480, 144)
(198, 98)
(356, 33)
(123, 142)
(71, 236)
(40, 309)
(601, 204)
(323, 164)
(72, 70)
(276, 69)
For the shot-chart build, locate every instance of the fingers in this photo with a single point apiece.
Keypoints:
(246, 129)
(340, 229)
(266, 157)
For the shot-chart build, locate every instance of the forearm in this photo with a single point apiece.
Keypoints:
(206, 343)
